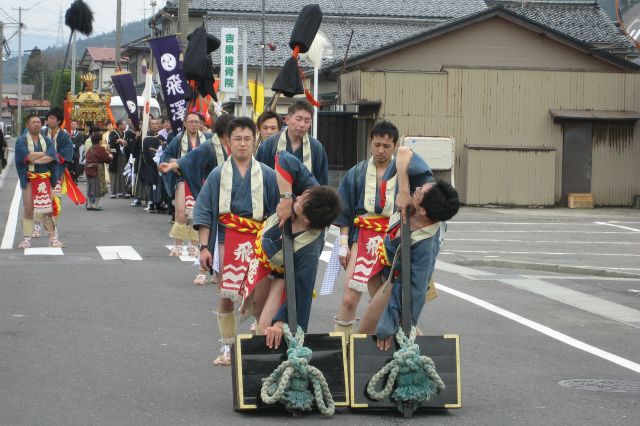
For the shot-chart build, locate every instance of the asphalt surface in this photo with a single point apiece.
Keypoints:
(89, 341)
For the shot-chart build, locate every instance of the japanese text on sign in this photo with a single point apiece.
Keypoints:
(229, 60)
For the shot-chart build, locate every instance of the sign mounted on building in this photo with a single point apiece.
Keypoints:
(438, 152)
(229, 60)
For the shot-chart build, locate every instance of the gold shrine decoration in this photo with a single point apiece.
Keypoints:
(89, 107)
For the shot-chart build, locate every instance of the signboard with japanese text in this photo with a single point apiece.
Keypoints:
(166, 51)
(229, 60)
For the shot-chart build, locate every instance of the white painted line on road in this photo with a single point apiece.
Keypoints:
(118, 253)
(543, 252)
(12, 220)
(524, 223)
(188, 258)
(5, 172)
(43, 251)
(523, 231)
(491, 240)
(608, 356)
(632, 34)
(617, 226)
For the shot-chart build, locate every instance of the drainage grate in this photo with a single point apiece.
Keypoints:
(602, 385)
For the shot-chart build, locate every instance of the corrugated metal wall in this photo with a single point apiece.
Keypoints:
(510, 107)
(534, 172)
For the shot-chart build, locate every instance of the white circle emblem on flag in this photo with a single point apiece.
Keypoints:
(168, 61)
(131, 106)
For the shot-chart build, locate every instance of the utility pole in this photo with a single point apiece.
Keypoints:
(19, 123)
(1, 60)
(262, 45)
(74, 59)
(118, 31)
(183, 21)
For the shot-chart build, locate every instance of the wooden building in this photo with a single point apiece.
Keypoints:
(536, 110)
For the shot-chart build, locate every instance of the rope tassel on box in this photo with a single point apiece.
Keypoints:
(289, 383)
(416, 375)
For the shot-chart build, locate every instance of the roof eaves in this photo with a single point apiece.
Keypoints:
(479, 16)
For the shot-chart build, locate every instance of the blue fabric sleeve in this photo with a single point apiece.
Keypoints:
(302, 178)
(320, 162)
(266, 151)
(172, 149)
(423, 260)
(205, 211)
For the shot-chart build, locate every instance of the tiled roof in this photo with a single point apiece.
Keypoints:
(394, 8)
(581, 19)
(103, 54)
(377, 23)
(368, 35)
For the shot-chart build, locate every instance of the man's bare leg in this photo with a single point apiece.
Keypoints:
(27, 217)
(350, 298)
(179, 230)
(374, 310)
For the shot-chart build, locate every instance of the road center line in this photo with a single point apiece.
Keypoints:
(12, 220)
(617, 226)
(608, 356)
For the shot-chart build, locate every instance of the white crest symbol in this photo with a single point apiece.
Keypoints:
(244, 252)
(168, 61)
(131, 106)
(372, 244)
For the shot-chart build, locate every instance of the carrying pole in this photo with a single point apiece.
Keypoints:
(405, 258)
(289, 276)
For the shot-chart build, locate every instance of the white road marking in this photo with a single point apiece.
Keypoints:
(632, 34)
(12, 220)
(608, 356)
(585, 302)
(525, 223)
(523, 231)
(490, 240)
(185, 257)
(43, 251)
(118, 253)
(542, 252)
(617, 226)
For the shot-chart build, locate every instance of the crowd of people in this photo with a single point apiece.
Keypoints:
(231, 189)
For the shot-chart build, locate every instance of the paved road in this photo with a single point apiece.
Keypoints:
(84, 340)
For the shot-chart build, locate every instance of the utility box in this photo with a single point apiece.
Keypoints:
(438, 151)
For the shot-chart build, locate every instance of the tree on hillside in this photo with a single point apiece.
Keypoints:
(36, 72)
(60, 88)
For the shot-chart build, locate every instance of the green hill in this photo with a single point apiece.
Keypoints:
(55, 54)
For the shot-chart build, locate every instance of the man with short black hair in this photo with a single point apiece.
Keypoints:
(368, 202)
(296, 140)
(430, 203)
(36, 167)
(117, 144)
(196, 165)
(184, 142)
(234, 201)
(268, 123)
(311, 208)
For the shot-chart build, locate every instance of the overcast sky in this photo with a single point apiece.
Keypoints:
(41, 18)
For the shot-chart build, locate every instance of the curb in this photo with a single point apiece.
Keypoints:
(547, 267)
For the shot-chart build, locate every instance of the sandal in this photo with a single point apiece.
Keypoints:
(26, 243)
(37, 231)
(55, 242)
(193, 251)
(224, 358)
(176, 251)
(200, 279)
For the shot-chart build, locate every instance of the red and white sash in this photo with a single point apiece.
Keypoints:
(41, 193)
(239, 251)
